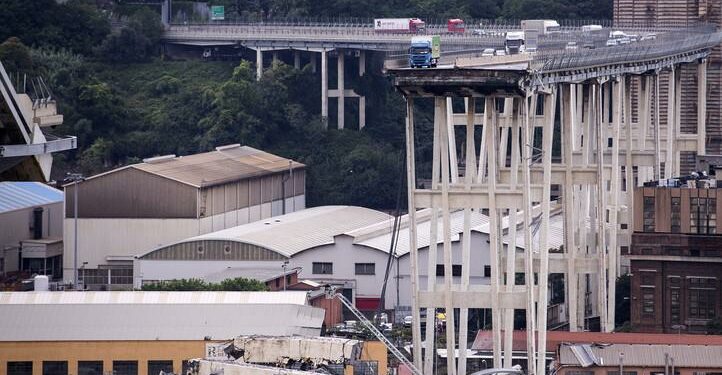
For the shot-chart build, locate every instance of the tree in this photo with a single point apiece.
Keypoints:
(15, 56)
(239, 284)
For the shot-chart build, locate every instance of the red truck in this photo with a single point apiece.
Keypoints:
(399, 25)
(455, 26)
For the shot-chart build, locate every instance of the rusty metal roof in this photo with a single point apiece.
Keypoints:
(644, 355)
(483, 340)
(224, 164)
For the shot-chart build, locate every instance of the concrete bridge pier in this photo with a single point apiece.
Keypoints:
(341, 92)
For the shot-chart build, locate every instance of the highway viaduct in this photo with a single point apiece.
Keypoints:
(608, 146)
(605, 105)
(354, 41)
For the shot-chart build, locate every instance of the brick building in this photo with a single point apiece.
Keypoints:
(676, 258)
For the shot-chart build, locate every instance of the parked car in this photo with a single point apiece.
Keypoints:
(487, 52)
(407, 321)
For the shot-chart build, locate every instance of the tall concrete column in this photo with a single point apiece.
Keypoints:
(297, 59)
(275, 57)
(657, 141)
(324, 88)
(259, 63)
(361, 112)
(550, 102)
(314, 64)
(361, 99)
(601, 208)
(341, 88)
(671, 124)
(701, 106)
(361, 63)
(568, 104)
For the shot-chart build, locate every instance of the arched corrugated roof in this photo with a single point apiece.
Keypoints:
(293, 233)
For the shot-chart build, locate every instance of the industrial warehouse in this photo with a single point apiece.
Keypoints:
(133, 209)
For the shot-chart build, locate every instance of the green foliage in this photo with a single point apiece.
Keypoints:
(75, 25)
(622, 309)
(239, 284)
(15, 56)
(137, 42)
(714, 326)
(124, 103)
(430, 9)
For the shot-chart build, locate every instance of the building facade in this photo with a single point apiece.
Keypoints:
(31, 229)
(138, 333)
(137, 208)
(676, 259)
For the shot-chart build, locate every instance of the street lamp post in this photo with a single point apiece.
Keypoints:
(75, 178)
(284, 265)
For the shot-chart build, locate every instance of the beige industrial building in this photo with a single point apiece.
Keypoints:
(31, 228)
(140, 207)
(138, 333)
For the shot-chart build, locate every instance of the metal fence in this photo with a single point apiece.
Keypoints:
(435, 24)
(670, 44)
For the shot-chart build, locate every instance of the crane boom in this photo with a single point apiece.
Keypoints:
(331, 293)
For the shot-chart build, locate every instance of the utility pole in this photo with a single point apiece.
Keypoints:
(75, 179)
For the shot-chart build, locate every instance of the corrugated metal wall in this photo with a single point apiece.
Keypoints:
(250, 192)
(131, 193)
(213, 250)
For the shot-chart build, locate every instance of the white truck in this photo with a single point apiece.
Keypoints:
(544, 27)
(514, 42)
(399, 25)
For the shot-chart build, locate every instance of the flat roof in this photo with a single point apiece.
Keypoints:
(150, 298)
(136, 316)
(16, 195)
(224, 164)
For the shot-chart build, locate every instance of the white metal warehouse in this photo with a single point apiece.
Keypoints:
(137, 208)
(102, 316)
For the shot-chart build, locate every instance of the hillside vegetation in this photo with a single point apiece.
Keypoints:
(125, 102)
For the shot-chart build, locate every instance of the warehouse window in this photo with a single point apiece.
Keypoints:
(365, 268)
(648, 214)
(20, 368)
(455, 270)
(322, 268)
(155, 367)
(487, 270)
(674, 305)
(90, 367)
(125, 367)
(648, 302)
(55, 367)
(701, 297)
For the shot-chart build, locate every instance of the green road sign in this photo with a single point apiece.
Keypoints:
(217, 12)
